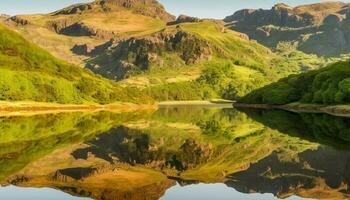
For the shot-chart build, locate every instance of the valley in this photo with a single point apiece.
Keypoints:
(152, 57)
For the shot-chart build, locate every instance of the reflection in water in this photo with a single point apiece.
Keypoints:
(167, 153)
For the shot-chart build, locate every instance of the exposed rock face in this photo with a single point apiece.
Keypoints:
(318, 28)
(184, 19)
(19, 21)
(144, 7)
(278, 16)
(90, 50)
(137, 54)
(67, 27)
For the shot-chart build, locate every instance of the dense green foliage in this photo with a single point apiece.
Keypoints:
(27, 72)
(329, 85)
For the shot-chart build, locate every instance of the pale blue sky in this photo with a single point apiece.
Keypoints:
(200, 8)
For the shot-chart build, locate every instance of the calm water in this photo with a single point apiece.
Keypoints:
(175, 153)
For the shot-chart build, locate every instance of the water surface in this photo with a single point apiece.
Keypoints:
(187, 152)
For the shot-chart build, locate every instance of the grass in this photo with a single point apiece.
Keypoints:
(231, 44)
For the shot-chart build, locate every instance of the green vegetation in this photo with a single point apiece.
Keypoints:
(30, 73)
(329, 85)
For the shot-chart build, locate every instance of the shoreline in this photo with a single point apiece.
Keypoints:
(218, 103)
(335, 110)
(34, 108)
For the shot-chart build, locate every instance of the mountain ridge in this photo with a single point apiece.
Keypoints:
(320, 28)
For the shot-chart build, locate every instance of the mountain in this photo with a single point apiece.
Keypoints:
(90, 24)
(30, 73)
(321, 28)
(329, 85)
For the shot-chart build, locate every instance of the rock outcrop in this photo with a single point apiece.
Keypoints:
(137, 54)
(66, 27)
(19, 21)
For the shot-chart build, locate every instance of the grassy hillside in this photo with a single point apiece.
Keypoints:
(224, 63)
(29, 73)
(329, 85)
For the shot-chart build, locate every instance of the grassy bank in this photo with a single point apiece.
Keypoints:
(33, 108)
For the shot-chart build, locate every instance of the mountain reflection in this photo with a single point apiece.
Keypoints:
(140, 155)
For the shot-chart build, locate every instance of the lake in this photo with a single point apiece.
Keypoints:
(175, 153)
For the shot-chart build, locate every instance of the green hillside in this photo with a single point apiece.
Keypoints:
(329, 85)
(28, 73)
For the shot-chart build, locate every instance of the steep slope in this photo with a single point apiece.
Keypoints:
(27, 72)
(90, 24)
(321, 28)
(328, 85)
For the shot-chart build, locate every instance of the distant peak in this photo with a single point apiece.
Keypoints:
(151, 8)
(130, 3)
(281, 6)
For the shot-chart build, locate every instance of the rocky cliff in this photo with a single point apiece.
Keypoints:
(137, 54)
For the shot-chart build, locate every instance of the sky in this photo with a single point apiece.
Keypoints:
(199, 8)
